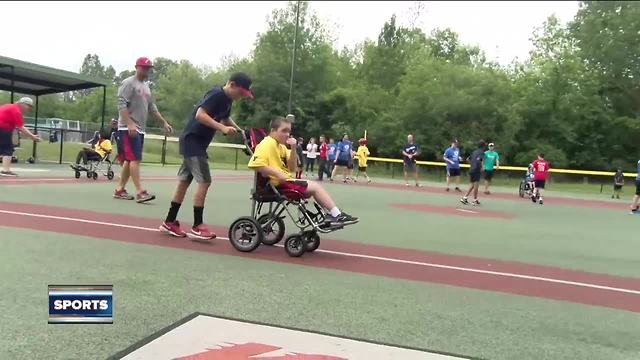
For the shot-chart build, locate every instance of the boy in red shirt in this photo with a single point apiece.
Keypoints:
(540, 170)
(11, 119)
(323, 164)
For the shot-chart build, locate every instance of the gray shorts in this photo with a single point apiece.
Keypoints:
(195, 167)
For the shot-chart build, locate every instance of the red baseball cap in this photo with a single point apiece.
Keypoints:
(243, 81)
(144, 61)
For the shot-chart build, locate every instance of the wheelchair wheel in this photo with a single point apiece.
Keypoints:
(94, 175)
(77, 174)
(311, 241)
(294, 245)
(245, 234)
(88, 174)
(521, 190)
(273, 228)
(110, 174)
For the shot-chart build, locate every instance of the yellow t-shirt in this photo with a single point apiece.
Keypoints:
(103, 147)
(362, 154)
(272, 154)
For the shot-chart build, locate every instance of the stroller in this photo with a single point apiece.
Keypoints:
(268, 207)
(95, 163)
(527, 184)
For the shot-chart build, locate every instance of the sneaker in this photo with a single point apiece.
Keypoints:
(464, 201)
(201, 232)
(475, 203)
(407, 184)
(541, 202)
(172, 228)
(342, 219)
(487, 192)
(533, 199)
(8, 173)
(369, 181)
(458, 189)
(418, 185)
(144, 196)
(123, 195)
(618, 197)
(447, 189)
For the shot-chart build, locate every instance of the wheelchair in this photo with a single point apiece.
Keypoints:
(526, 188)
(269, 208)
(94, 166)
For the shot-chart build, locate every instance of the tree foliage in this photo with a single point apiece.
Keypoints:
(576, 98)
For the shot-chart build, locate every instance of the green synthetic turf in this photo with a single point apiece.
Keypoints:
(582, 238)
(155, 286)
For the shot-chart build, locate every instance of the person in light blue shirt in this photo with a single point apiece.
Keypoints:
(452, 159)
(636, 198)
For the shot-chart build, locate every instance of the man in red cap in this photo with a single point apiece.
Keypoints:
(10, 120)
(134, 105)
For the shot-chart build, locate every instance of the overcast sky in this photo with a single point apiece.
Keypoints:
(60, 34)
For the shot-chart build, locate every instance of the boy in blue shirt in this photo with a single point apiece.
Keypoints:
(636, 198)
(409, 153)
(452, 158)
(331, 157)
(344, 154)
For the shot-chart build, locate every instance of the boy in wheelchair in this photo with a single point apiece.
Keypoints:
(97, 153)
(527, 184)
(274, 161)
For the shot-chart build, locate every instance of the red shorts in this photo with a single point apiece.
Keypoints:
(294, 189)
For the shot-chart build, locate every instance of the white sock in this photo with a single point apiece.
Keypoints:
(335, 212)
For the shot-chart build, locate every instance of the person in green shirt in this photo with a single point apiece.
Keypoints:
(491, 162)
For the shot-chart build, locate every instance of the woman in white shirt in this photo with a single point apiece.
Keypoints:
(312, 153)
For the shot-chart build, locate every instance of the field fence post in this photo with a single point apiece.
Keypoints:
(163, 156)
(236, 164)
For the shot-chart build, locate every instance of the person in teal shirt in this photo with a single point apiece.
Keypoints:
(491, 162)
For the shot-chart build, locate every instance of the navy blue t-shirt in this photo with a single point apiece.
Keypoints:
(196, 137)
(410, 149)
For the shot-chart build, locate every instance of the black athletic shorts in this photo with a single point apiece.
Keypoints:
(342, 163)
(617, 187)
(638, 187)
(540, 184)
(6, 143)
(488, 175)
(195, 167)
(453, 172)
(410, 166)
(475, 176)
(362, 168)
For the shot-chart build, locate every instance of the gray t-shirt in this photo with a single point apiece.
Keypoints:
(135, 96)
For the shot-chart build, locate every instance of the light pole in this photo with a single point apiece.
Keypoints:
(293, 58)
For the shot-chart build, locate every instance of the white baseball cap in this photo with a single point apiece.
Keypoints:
(26, 101)
(491, 144)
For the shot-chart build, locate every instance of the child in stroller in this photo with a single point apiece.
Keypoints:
(274, 185)
(93, 157)
(527, 184)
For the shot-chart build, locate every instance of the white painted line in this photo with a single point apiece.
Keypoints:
(362, 256)
(468, 211)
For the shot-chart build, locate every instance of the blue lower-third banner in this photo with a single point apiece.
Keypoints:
(80, 304)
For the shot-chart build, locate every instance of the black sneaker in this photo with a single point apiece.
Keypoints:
(8, 173)
(458, 189)
(476, 203)
(343, 219)
(464, 201)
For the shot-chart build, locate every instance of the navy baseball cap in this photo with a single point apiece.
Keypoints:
(244, 82)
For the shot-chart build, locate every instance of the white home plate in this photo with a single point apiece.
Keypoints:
(205, 337)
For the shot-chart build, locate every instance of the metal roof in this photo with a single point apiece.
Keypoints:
(34, 79)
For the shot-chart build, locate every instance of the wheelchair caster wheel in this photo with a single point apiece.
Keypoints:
(88, 174)
(77, 174)
(294, 245)
(94, 175)
(273, 228)
(311, 241)
(110, 175)
(245, 234)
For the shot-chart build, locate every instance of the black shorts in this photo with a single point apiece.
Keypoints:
(342, 163)
(362, 168)
(6, 143)
(453, 172)
(488, 175)
(617, 187)
(638, 187)
(410, 166)
(195, 167)
(475, 176)
(540, 184)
